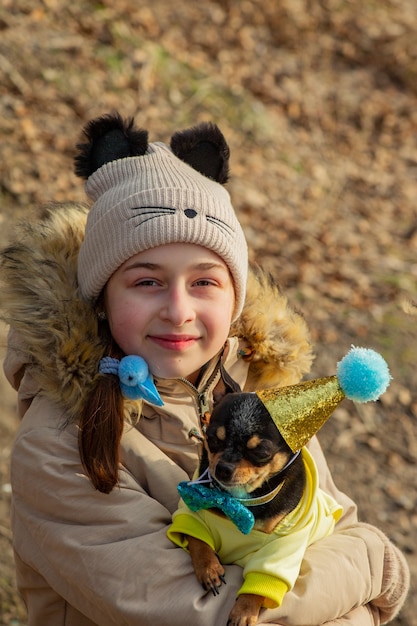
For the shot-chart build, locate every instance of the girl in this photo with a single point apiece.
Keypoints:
(158, 268)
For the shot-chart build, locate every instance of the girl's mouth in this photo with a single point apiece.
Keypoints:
(176, 343)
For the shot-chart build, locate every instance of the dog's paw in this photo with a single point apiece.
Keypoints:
(245, 611)
(211, 575)
(208, 569)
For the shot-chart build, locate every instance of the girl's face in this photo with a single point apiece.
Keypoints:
(171, 305)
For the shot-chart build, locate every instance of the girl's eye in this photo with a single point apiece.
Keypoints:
(148, 282)
(204, 282)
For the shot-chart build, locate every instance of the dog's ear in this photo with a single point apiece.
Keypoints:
(205, 149)
(109, 137)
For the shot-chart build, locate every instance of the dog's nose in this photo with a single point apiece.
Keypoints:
(224, 471)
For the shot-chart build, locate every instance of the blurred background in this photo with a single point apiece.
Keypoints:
(318, 102)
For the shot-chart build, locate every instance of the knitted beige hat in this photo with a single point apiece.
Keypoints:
(146, 195)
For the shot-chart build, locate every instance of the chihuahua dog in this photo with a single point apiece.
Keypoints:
(247, 457)
(257, 472)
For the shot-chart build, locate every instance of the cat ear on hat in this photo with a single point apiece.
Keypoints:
(109, 137)
(205, 149)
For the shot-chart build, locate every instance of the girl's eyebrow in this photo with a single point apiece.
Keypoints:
(138, 264)
(204, 266)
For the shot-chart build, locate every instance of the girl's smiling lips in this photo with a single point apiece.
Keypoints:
(174, 342)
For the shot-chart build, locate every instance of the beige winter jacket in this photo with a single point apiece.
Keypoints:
(87, 558)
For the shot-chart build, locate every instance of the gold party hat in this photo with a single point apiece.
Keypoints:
(299, 411)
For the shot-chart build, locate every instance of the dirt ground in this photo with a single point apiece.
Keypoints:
(318, 100)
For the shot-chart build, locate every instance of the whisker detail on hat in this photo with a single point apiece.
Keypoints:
(222, 225)
(153, 209)
(153, 214)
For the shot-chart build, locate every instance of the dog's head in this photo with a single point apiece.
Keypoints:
(243, 445)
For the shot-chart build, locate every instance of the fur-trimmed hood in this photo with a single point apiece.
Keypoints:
(55, 332)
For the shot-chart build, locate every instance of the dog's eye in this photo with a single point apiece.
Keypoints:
(261, 459)
(214, 443)
(263, 453)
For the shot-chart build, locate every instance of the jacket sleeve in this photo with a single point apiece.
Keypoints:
(393, 580)
(107, 555)
(355, 576)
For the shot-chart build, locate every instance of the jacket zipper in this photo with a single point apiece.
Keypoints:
(201, 397)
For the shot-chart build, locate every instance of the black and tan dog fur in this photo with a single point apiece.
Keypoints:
(247, 455)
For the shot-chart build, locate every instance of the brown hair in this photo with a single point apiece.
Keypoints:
(101, 425)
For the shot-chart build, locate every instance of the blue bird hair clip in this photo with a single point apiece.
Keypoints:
(136, 382)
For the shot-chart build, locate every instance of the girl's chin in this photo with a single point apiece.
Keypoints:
(179, 371)
(184, 366)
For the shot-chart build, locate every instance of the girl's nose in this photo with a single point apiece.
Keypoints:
(178, 308)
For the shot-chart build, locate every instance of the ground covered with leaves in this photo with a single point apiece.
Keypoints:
(318, 101)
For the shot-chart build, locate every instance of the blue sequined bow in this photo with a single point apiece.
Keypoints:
(198, 495)
(136, 381)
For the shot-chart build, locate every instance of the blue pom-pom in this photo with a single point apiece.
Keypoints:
(363, 375)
